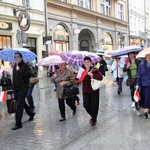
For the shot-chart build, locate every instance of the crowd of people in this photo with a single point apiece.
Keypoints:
(20, 73)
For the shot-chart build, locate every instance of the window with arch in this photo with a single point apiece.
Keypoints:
(107, 43)
(105, 7)
(85, 3)
(84, 45)
(61, 38)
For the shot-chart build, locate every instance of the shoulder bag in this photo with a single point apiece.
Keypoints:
(34, 80)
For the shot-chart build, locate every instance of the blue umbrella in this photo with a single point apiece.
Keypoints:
(126, 50)
(7, 54)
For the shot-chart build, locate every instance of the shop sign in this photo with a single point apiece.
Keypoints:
(24, 20)
(5, 26)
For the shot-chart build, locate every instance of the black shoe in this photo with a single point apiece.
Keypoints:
(119, 92)
(62, 119)
(16, 127)
(93, 124)
(31, 118)
(54, 89)
(146, 115)
(74, 111)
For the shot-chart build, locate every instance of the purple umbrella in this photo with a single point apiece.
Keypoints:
(77, 59)
(126, 50)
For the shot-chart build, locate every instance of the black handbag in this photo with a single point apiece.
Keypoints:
(71, 90)
(130, 82)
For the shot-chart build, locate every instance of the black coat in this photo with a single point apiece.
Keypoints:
(21, 77)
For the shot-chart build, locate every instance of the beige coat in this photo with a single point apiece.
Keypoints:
(66, 75)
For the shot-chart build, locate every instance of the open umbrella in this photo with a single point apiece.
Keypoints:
(126, 50)
(142, 53)
(55, 53)
(51, 60)
(7, 54)
(77, 57)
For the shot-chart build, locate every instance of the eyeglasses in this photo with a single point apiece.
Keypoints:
(17, 57)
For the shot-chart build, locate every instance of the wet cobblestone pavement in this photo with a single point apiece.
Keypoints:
(119, 127)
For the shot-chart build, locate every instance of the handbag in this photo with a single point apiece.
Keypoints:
(71, 90)
(130, 82)
(96, 84)
(33, 80)
(105, 68)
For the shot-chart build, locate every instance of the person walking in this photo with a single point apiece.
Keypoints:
(34, 73)
(64, 76)
(143, 81)
(90, 96)
(131, 67)
(117, 69)
(21, 76)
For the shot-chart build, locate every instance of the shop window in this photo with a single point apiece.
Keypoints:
(105, 7)
(5, 42)
(106, 42)
(85, 3)
(61, 38)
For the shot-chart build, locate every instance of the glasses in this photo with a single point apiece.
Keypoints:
(17, 57)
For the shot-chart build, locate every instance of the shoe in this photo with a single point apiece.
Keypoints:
(16, 127)
(74, 111)
(31, 118)
(54, 89)
(146, 115)
(90, 121)
(93, 124)
(62, 119)
(119, 92)
(133, 105)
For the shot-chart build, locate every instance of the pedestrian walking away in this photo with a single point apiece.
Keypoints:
(21, 76)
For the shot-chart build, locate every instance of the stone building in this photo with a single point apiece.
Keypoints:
(87, 24)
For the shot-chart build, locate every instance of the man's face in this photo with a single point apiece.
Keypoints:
(17, 58)
(62, 66)
(147, 57)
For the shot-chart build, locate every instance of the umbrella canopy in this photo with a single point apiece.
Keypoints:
(77, 57)
(126, 50)
(55, 53)
(142, 53)
(51, 60)
(7, 54)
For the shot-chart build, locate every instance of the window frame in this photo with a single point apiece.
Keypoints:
(119, 11)
(85, 3)
(106, 4)
(26, 3)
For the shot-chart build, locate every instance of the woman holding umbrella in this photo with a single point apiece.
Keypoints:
(131, 67)
(143, 80)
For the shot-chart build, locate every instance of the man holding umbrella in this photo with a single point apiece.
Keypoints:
(21, 76)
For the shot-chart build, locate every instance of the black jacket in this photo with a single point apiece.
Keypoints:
(125, 69)
(21, 77)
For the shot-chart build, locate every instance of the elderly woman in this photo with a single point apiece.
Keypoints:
(143, 80)
(62, 77)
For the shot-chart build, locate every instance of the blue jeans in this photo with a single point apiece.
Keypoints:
(29, 97)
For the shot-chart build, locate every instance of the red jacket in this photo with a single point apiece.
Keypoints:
(86, 85)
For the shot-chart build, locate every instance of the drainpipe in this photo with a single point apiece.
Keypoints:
(128, 22)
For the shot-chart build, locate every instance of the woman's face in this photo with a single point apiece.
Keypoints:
(147, 57)
(131, 55)
(87, 63)
(62, 66)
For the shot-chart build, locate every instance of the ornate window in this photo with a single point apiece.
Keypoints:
(105, 7)
(85, 3)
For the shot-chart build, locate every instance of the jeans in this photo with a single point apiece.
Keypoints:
(29, 97)
(119, 80)
(132, 90)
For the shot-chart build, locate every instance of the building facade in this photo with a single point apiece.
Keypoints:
(87, 24)
(138, 19)
(10, 33)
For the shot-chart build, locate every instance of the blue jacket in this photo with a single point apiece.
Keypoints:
(143, 78)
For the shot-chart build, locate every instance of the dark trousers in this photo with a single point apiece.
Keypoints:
(132, 90)
(146, 93)
(70, 102)
(20, 99)
(29, 97)
(119, 80)
(76, 98)
(91, 104)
